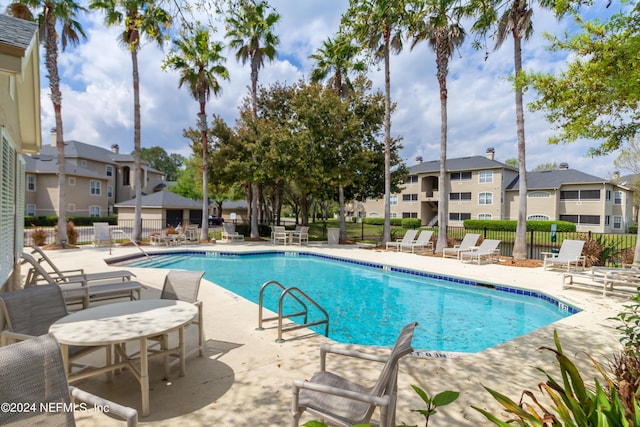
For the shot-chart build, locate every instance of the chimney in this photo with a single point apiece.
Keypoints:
(563, 166)
(115, 149)
(491, 153)
(54, 136)
(616, 175)
(419, 159)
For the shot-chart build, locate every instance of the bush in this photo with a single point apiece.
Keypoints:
(633, 229)
(411, 222)
(72, 233)
(597, 251)
(39, 236)
(510, 225)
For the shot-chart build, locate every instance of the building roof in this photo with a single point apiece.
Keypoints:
(163, 199)
(460, 164)
(16, 35)
(235, 204)
(45, 163)
(553, 179)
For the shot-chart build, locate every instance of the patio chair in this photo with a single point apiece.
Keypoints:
(570, 254)
(279, 234)
(408, 238)
(423, 242)
(229, 232)
(191, 234)
(78, 290)
(101, 234)
(29, 313)
(32, 375)
(341, 402)
(488, 250)
(623, 281)
(76, 274)
(300, 235)
(468, 242)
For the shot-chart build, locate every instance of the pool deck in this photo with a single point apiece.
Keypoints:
(244, 378)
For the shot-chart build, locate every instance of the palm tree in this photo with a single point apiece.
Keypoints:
(251, 36)
(199, 62)
(63, 12)
(336, 59)
(139, 17)
(378, 25)
(440, 26)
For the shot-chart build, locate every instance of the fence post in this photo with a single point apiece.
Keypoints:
(530, 244)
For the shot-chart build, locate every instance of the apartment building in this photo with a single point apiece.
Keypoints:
(479, 187)
(97, 179)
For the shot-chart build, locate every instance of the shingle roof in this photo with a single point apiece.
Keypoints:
(556, 179)
(163, 199)
(45, 163)
(460, 164)
(16, 32)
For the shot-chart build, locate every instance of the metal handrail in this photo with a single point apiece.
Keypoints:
(291, 291)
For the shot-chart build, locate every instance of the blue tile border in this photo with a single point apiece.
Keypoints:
(468, 282)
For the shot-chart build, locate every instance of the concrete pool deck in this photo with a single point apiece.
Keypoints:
(245, 376)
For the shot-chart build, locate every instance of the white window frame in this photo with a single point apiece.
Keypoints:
(72, 180)
(393, 200)
(95, 187)
(485, 177)
(30, 209)
(109, 191)
(108, 170)
(618, 197)
(538, 194)
(485, 216)
(485, 198)
(538, 217)
(31, 183)
(94, 211)
(617, 222)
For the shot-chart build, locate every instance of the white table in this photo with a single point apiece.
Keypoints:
(115, 324)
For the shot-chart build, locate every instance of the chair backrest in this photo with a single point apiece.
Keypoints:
(182, 285)
(33, 310)
(387, 380)
(410, 236)
(278, 229)
(571, 249)
(469, 240)
(32, 372)
(101, 231)
(38, 270)
(424, 237)
(488, 246)
(45, 259)
(229, 228)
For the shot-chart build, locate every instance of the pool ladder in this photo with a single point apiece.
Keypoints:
(298, 296)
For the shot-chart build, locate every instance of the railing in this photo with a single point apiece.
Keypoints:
(297, 295)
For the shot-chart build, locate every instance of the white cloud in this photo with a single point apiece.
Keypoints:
(98, 95)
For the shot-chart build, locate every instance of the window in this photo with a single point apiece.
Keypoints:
(460, 196)
(607, 220)
(580, 195)
(485, 177)
(126, 178)
(581, 219)
(538, 217)
(459, 216)
(31, 183)
(409, 197)
(460, 176)
(394, 215)
(485, 198)
(412, 179)
(617, 198)
(409, 215)
(94, 210)
(617, 222)
(538, 194)
(485, 216)
(72, 180)
(109, 191)
(9, 197)
(109, 170)
(393, 200)
(31, 209)
(608, 195)
(95, 186)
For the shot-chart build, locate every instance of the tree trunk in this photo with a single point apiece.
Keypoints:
(254, 186)
(386, 233)
(137, 159)
(202, 122)
(443, 185)
(520, 245)
(343, 222)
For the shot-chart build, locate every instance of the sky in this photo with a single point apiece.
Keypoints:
(97, 105)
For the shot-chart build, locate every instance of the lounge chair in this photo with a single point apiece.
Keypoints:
(488, 250)
(32, 373)
(342, 402)
(570, 255)
(408, 238)
(76, 274)
(623, 281)
(78, 290)
(101, 234)
(468, 242)
(423, 242)
(300, 235)
(229, 232)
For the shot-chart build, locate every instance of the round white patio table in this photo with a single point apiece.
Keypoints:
(115, 324)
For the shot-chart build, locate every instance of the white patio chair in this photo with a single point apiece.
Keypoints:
(488, 250)
(468, 242)
(570, 255)
(408, 238)
(423, 242)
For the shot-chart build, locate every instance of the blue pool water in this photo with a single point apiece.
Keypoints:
(369, 305)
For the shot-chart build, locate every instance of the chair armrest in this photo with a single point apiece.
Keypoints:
(5, 336)
(325, 349)
(353, 395)
(77, 271)
(130, 415)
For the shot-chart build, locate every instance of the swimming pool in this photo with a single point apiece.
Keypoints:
(369, 303)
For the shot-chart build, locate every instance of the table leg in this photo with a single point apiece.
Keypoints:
(144, 376)
(181, 350)
(64, 349)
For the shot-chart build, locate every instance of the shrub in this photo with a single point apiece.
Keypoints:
(72, 233)
(633, 229)
(411, 222)
(510, 225)
(39, 236)
(373, 221)
(597, 251)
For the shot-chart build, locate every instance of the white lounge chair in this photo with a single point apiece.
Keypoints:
(570, 255)
(623, 281)
(101, 234)
(423, 242)
(468, 242)
(409, 237)
(229, 232)
(488, 250)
